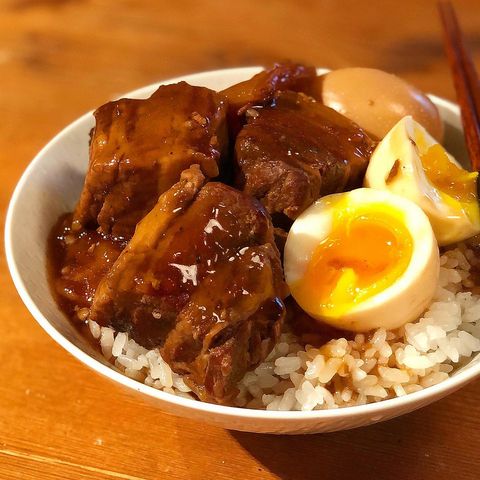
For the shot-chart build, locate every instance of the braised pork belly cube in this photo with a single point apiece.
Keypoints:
(201, 279)
(262, 87)
(296, 150)
(139, 148)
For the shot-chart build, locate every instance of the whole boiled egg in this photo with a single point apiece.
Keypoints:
(362, 259)
(410, 163)
(376, 100)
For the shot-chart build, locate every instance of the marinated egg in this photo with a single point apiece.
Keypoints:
(361, 260)
(376, 100)
(410, 163)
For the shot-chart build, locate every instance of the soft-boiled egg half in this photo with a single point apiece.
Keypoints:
(362, 259)
(410, 163)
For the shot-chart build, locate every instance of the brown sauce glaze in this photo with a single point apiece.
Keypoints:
(76, 262)
(308, 330)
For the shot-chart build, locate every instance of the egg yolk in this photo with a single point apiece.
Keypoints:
(447, 177)
(365, 253)
(457, 187)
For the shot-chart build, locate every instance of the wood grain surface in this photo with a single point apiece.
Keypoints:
(60, 58)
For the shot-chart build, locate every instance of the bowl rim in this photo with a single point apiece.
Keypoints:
(436, 391)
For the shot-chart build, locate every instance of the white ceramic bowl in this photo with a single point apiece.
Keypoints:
(51, 186)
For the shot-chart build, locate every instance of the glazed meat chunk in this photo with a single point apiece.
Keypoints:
(201, 278)
(261, 89)
(296, 150)
(230, 323)
(139, 148)
(80, 260)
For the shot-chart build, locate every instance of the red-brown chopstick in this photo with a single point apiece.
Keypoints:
(465, 79)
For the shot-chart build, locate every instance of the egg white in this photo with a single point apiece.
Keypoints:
(404, 144)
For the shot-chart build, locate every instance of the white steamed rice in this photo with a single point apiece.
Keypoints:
(372, 367)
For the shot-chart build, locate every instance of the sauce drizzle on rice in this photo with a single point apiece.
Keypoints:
(371, 367)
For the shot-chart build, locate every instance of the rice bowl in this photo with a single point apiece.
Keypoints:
(273, 392)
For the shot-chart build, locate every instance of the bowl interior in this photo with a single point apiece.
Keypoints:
(51, 186)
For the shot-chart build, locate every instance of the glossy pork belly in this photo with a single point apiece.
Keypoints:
(261, 89)
(139, 148)
(296, 150)
(201, 277)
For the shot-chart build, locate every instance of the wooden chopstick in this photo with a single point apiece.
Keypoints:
(465, 79)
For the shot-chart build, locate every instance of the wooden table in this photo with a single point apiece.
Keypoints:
(60, 58)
